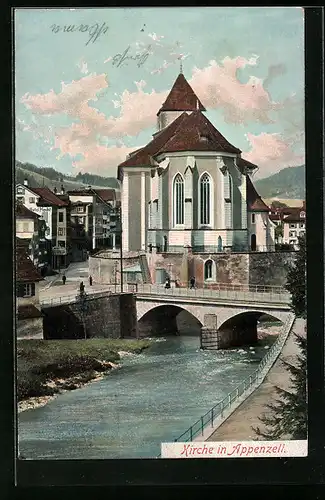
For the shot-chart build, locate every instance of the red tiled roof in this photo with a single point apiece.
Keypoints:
(28, 311)
(181, 97)
(295, 216)
(275, 216)
(23, 212)
(254, 201)
(26, 271)
(48, 197)
(106, 194)
(197, 133)
(184, 133)
(242, 164)
(143, 156)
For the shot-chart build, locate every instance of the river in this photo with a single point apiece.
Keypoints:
(153, 398)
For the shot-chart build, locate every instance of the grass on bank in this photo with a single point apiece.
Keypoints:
(40, 361)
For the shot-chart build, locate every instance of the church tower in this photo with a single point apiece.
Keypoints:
(181, 98)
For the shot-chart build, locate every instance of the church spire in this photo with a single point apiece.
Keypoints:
(181, 97)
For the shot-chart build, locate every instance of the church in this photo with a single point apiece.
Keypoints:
(190, 188)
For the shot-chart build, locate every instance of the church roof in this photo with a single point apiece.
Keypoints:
(254, 201)
(197, 134)
(181, 97)
(245, 164)
(186, 133)
(143, 156)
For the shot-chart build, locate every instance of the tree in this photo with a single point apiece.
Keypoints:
(288, 413)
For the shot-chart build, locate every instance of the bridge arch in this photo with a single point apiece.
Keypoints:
(166, 319)
(232, 317)
(241, 328)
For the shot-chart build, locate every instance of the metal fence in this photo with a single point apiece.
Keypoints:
(249, 293)
(242, 390)
(226, 249)
(219, 291)
(70, 299)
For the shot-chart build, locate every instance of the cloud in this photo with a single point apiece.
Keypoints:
(96, 158)
(82, 65)
(155, 37)
(70, 100)
(271, 152)
(218, 87)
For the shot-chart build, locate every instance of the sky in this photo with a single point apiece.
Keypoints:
(89, 82)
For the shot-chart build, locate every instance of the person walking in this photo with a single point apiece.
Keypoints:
(167, 284)
(64, 279)
(90, 281)
(192, 282)
(82, 288)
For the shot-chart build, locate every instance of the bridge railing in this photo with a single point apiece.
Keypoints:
(253, 293)
(70, 299)
(243, 390)
(248, 293)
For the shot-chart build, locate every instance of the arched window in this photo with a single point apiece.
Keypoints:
(178, 200)
(253, 242)
(208, 270)
(205, 200)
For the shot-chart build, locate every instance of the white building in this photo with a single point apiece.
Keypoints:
(294, 225)
(29, 197)
(190, 187)
(27, 230)
(93, 217)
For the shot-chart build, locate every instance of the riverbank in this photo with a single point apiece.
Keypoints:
(238, 426)
(46, 368)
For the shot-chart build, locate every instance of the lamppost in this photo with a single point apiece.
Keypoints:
(118, 230)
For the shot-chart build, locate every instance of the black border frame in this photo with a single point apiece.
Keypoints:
(151, 472)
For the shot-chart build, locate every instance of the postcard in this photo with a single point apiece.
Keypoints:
(160, 233)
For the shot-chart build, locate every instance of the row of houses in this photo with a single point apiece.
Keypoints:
(290, 222)
(59, 228)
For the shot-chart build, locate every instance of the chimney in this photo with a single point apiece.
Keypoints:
(62, 189)
(26, 182)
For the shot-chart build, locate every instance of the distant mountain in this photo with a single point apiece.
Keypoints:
(51, 178)
(289, 183)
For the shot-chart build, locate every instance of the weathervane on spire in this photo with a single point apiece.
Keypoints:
(180, 65)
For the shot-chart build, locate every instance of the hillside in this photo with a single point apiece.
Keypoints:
(289, 183)
(49, 177)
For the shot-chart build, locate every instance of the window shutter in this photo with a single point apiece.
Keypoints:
(20, 290)
(32, 289)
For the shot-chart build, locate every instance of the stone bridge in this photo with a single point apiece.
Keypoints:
(224, 322)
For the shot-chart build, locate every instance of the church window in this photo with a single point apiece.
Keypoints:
(208, 269)
(178, 200)
(205, 199)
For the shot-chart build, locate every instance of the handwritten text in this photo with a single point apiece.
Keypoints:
(140, 58)
(94, 31)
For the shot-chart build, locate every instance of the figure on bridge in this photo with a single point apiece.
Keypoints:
(192, 282)
(82, 288)
(167, 284)
(64, 279)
